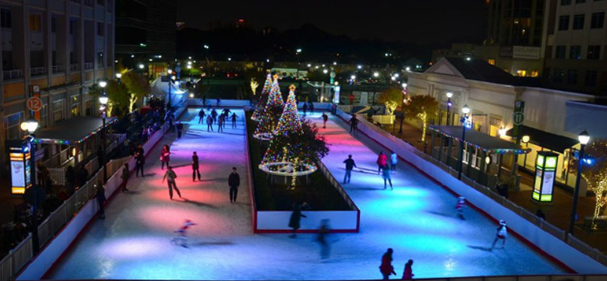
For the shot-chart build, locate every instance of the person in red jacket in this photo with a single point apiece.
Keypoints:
(386, 267)
(408, 273)
(382, 160)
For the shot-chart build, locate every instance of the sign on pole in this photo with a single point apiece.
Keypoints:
(34, 104)
(517, 118)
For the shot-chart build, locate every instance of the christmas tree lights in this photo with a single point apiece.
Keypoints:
(263, 98)
(289, 121)
(268, 119)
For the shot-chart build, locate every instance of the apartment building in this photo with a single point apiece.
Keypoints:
(56, 49)
(576, 51)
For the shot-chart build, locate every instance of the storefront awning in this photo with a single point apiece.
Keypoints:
(546, 140)
(72, 131)
(481, 140)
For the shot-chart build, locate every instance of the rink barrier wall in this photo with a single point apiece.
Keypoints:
(82, 212)
(483, 199)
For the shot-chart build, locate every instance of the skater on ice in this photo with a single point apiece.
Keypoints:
(182, 236)
(501, 234)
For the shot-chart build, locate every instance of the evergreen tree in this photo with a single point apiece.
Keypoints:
(263, 98)
(272, 111)
(289, 121)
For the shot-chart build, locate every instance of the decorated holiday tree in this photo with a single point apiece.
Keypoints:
(270, 114)
(263, 98)
(289, 121)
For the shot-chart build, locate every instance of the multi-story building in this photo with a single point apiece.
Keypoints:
(146, 34)
(575, 56)
(58, 49)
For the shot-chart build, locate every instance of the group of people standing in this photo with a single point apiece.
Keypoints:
(387, 269)
(385, 167)
(214, 118)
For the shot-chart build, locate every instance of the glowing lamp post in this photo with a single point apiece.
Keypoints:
(103, 100)
(449, 104)
(465, 111)
(297, 52)
(31, 125)
(376, 75)
(402, 108)
(583, 137)
(525, 139)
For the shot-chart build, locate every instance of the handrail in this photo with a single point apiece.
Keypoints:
(38, 71)
(12, 74)
(88, 65)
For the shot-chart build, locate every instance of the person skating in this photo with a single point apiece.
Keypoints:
(195, 167)
(139, 163)
(325, 118)
(100, 197)
(125, 177)
(311, 107)
(305, 108)
(350, 164)
(179, 127)
(501, 233)
(461, 204)
(387, 177)
(220, 123)
(209, 123)
(408, 272)
(393, 161)
(214, 115)
(322, 239)
(218, 102)
(382, 161)
(234, 120)
(170, 176)
(201, 115)
(204, 100)
(182, 238)
(233, 182)
(353, 124)
(165, 157)
(386, 267)
(226, 111)
(294, 221)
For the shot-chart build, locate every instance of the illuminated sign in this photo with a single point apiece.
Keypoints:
(545, 167)
(20, 169)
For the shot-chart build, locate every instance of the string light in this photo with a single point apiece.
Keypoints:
(263, 98)
(269, 117)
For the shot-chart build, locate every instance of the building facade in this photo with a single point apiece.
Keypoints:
(54, 49)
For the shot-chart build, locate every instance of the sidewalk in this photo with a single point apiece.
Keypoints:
(557, 213)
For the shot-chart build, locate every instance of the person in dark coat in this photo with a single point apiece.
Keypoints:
(170, 176)
(201, 115)
(234, 120)
(305, 108)
(195, 167)
(70, 180)
(100, 197)
(408, 272)
(311, 108)
(233, 182)
(125, 177)
(350, 164)
(214, 115)
(386, 267)
(139, 163)
(353, 124)
(325, 118)
(82, 175)
(179, 127)
(295, 219)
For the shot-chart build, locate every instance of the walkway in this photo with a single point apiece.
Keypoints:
(417, 219)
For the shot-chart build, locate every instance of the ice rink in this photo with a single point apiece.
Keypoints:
(417, 219)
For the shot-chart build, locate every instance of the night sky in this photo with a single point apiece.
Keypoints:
(421, 21)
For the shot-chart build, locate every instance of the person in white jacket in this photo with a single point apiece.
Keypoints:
(502, 233)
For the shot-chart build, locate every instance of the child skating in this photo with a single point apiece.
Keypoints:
(502, 233)
(182, 237)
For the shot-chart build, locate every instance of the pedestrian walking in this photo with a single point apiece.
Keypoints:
(353, 124)
(234, 120)
(461, 204)
(408, 272)
(195, 167)
(386, 267)
(233, 182)
(325, 118)
(182, 234)
(82, 175)
(165, 157)
(220, 123)
(349, 166)
(170, 176)
(100, 197)
(387, 177)
(305, 108)
(322, 239)
(294, 221)
(382, 161)
(501, 234)
(70, 180)
(201, 115)
(179, 127)
(393, 161)
(139, 163)
(125, 177)
(209, 123)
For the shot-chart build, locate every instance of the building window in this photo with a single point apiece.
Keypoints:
(597, 20)
(72, 26)
(53, 24)
(100, 29)
(558, 75)
(5, 18)
(575, 52)
(74, 106)
(594, 52)
(58, 114)
(535, 73)
(44, 116)
(12, 126)
(591, 78)
(491, 61)
(578, 22)
(563, 22)
(35, 22)
(100, 2)
(521, 73)
(560, 52)
(571, 76)
(565, 2)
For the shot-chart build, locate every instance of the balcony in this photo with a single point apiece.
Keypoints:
(88, 65)
(58, 69)
(13, 74)
(74, 67)
(38, 71)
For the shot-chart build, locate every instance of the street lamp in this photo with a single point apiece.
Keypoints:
(103, 100)
(449, 104)
(525, 139)
(465, 111)
(297, 52)
(206, 56)
(402, 108)
(118, 76)
(31, 125)
(583, 137)
(376, 75)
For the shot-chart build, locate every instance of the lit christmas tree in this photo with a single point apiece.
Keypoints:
(289, 121)
(263, 98)
(269, 117)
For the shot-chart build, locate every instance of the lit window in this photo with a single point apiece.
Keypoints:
(35, 22)
(491, 61)
(521, 73)
(535, 73)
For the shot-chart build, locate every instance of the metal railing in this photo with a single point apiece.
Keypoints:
(16, 259)
(74, 67)
(58, 68)
(88, 65)
(38, 71)
(12, 74)
(57, 175)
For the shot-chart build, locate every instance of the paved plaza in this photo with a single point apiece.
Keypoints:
(417, 219)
